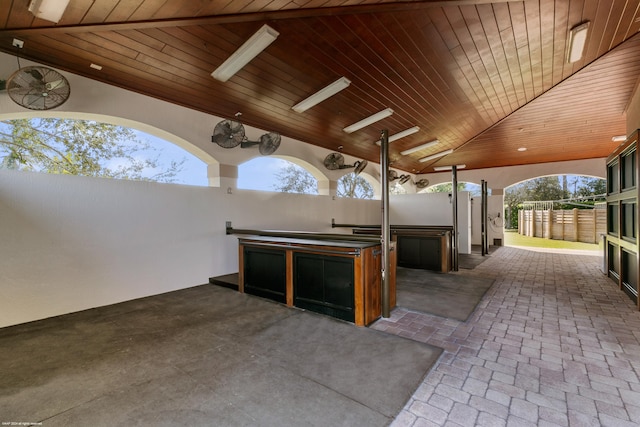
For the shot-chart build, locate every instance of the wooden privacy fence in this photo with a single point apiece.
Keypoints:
(575, 225)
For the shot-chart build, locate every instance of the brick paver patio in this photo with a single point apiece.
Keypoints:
(552, 343)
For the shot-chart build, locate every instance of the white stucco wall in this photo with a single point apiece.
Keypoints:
(71, 243)
(433, 209)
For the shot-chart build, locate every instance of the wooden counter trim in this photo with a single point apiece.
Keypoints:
(241, 270)
(358, 290)
(289, 277)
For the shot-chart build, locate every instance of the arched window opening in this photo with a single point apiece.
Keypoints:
(274, 174)
(355, 186)
(446, 187)
(397, 188)
(559, 192)
(96, 149)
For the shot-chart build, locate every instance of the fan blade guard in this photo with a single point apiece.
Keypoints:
(360, 166)
(228, 134)
(38, 88)
(334, 161)
(269, 143)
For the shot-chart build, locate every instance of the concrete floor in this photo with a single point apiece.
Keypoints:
(552, 343)
(205, 356)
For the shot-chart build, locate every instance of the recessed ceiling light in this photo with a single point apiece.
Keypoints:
(369, 120)
(619, 138)
(322, 94)
(245, 53)
(96, 67)
(522, 149)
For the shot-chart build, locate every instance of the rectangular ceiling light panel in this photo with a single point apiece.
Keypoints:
(369, 120)
(577, 40)
(420, 147)
(245, 53)
(448, 168)
(402, 134)
(435, 156)
(49, 10)
(327, 92)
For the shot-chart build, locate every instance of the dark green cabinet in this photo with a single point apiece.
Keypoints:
(622, 254)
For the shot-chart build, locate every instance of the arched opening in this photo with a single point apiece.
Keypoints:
(445, 187)
(555, 211)
(97, 146)
(281, 174)
(355, 186)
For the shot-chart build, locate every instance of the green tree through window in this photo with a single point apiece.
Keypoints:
(352, 185)
(83, 148)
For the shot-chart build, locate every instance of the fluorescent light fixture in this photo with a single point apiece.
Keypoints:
(435, 156)
(245, 53)
(420, 147)
(402, 134)
(369, 120)
(321, 95)
(577, 40)
(619, 138)
(49, 10)
(448, 168)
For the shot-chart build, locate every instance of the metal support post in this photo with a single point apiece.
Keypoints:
(385, 232)
(454, 203)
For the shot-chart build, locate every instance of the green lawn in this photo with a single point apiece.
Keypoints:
(512, 238)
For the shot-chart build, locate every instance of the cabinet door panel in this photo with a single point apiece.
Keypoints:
(265, 273)
(324, 284)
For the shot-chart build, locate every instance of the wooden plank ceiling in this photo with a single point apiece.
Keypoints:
(484, 78)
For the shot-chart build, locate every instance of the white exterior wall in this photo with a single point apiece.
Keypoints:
(433, 209)
(72, 243)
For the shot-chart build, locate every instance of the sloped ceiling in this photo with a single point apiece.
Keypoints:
(484, 78)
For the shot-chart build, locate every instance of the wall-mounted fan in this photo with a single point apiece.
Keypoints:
(335, 161)
(38, 88)
(268, 144)
(422, 183)
(393, 175)
(230, 134)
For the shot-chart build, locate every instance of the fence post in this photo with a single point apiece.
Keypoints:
(548, 226)
(595, 226)
(533, 223)
(520, 219)
(575, 225)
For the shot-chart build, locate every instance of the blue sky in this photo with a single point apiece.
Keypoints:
(255, 174)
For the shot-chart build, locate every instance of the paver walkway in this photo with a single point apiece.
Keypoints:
(552, 343)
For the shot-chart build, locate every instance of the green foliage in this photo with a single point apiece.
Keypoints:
(352, 185)
(79, 147)
(395, 188)
(445, 187)
(295, 179)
